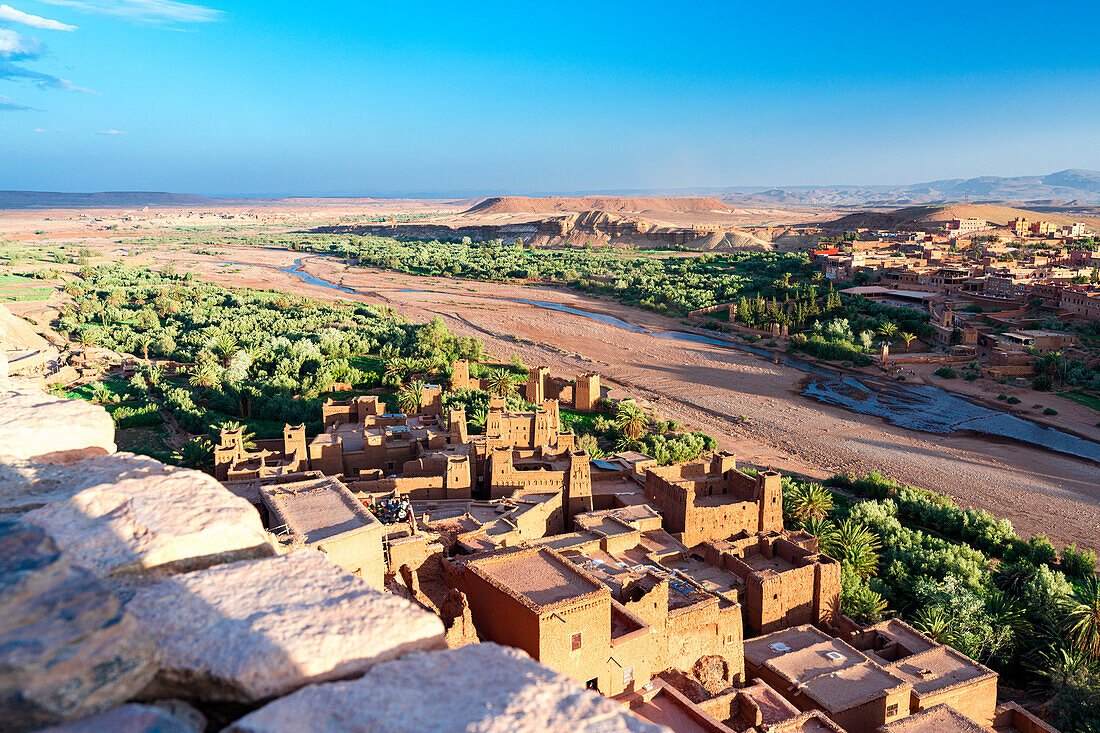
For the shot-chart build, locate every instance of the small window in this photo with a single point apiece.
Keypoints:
(576, 641)
(593, 684)
(891, 710)
(628, 675)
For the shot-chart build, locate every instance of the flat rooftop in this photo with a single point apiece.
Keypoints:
(821, 658)
(850, 687)
(762, 648)
(317, 509)
(939, 668)
(674, 711)
(539, 575)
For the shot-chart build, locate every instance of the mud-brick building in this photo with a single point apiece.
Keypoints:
(815, 671)
(627, 551)
(937, 673)
(785, 581)
(322, 514)
(536, 600)
(527, 429)
(268, 458)
(518, 472)
(706, 501)
(875, 677)
(581, 394)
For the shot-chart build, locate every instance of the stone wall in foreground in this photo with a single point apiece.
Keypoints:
(137, 596)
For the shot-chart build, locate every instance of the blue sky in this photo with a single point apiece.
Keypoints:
(324, 98)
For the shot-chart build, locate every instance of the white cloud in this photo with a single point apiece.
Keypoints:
(12, 15)
(39, 130)
(15, 72)
(14, 45)
(111, 132)
(144, 10)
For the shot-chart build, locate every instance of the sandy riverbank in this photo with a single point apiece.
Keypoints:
(751, 405)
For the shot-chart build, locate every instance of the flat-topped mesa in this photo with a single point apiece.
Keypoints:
(704, 501)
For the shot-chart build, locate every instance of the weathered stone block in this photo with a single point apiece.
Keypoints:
(484, 687)
(35, 425)
(66, 647)
(128, 514)
(132, 718)
(248, 631)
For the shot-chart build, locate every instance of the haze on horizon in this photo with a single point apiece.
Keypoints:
(278, 98)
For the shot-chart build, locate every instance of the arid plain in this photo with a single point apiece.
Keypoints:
(751, 404)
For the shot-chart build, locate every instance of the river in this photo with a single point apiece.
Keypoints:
(916, 407)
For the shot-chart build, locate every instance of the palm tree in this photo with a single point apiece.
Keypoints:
(856, 546)
(411, 397)
(205, 375)
(224, 345)
(887, 330)
(822, 529)
(812, 501)
(196, 453)
(908, 338)
(476, 419)
(88, 336)
(399, 368)
(100, 393)
(625, 444)
(500, 382)
(144, 342)
(630, 419)
(936, 624)
(1083, 617)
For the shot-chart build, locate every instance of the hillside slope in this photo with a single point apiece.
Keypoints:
(610, 204)
(929, 217)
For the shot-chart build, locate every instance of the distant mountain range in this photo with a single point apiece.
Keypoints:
(1073, 186)
(1068, 187)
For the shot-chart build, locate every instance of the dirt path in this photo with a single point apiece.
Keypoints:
(751, 405)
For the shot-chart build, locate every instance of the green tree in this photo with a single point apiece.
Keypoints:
(811, 501)
(411, 397)
(1083, 617)
(500, 382)
(195, 453)
(630, 419)
(205, 375)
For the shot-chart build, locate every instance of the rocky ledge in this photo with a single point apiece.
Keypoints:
(141, 597)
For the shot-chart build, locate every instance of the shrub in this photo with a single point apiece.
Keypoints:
(946, 373)
(1050, 411)
(1014, 400)
(1077, 563)
(1002, 397)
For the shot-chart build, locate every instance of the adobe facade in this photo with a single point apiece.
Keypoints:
(582, 394)
(617, 573)
(786, 582)
(702, 502)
